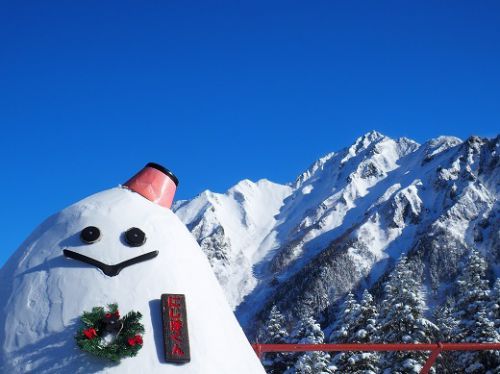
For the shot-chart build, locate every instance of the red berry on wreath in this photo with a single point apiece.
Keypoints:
(90, 333)
(131, 341)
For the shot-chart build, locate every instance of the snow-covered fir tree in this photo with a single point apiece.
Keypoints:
(364, 330)
(473, 313)
(308, 331)
(445, 321)
(447, 324)
(357, 324)
(494, 305)
(494, 310)
(274, 332)
(342, 329)
(402, 318)
(345, 319)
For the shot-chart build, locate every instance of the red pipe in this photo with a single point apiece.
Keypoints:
(435, 348)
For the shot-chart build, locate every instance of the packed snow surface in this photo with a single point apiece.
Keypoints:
(44, 293)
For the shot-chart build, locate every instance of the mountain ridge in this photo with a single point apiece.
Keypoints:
(342, 224)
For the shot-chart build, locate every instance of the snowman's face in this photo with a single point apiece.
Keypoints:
(113, 231)
(134, 237)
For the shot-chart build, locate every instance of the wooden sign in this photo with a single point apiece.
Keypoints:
(175, 329)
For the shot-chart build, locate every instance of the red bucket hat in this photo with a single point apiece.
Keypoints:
(155, 183)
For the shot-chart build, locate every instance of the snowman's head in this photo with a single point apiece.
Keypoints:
(156, 184)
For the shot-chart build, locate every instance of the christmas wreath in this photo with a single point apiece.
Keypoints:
(106, 335)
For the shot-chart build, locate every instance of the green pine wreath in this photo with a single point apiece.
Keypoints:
(126, 333)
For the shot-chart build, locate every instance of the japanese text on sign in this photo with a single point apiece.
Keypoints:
(175, 333)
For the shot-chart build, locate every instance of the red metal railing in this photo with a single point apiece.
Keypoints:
(434, 348)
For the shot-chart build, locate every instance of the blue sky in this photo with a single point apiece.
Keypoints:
(220, 91)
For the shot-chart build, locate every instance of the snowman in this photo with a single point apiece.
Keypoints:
(118, 269)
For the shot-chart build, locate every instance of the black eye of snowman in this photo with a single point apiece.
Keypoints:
(90, 234)
(135, 237)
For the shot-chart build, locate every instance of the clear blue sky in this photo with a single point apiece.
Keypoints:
(219, 91)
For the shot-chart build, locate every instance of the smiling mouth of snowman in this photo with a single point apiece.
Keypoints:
(110, 270)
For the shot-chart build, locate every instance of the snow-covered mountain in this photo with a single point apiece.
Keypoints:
(343, 223)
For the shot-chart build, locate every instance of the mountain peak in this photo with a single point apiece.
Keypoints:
(372, 136)
(361, 144)
(438, 145)
(242, 185)
(366, 140)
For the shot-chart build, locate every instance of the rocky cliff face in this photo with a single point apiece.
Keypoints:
(344, 222)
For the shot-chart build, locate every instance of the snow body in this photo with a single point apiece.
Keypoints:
(44, 294)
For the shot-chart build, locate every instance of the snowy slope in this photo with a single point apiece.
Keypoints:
(345, 221)
(233, 229)
(44, 293)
